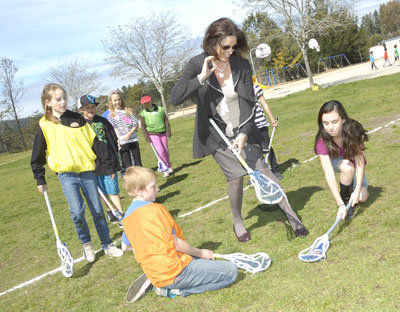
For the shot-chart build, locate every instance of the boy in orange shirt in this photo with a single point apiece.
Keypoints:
(170, 264)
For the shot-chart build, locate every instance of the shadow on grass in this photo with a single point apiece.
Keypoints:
(163, 198)
(194, 163)
(210, 245)
(288, 164)
(173, 179)
(297, 199)
(175, 213)
(374, 193)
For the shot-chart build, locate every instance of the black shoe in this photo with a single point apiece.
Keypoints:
(111, 217)
(301, 232)
(278, 175)
(350, 213)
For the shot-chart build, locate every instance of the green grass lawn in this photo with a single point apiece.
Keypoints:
(361, 272)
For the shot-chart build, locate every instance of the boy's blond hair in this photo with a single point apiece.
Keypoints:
(137, 178)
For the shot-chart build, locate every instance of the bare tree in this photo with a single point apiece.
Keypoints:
(153, 48)
(11, 91)
(76, 78)
(305, 19)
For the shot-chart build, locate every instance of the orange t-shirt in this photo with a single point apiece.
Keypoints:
(150, 231)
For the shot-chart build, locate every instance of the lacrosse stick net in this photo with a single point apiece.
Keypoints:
(250, 263)
(161, 167)
(317, 251)
(67, 262)
(267, 191)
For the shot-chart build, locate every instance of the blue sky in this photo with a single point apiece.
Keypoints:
(37, 34)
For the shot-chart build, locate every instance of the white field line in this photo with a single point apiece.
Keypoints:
(181, 216)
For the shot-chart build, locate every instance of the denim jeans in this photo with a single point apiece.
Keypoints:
(335, 164)
(201, 275)
(71, 184)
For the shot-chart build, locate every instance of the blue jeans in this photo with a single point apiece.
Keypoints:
(71, 184)
(335, 164)
(201, 275)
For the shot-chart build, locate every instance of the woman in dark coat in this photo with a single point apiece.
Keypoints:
(222, 82)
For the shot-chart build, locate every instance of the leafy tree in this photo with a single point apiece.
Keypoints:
(11, 91)
(389, 14)
(303, 20)
(152, 48)
(76, 78)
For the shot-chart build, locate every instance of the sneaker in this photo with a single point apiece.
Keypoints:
(111, 217)
(170, 293)
(125, 247)
(88, 252)
(113, 251)
(301, 232)
(278, 175)
(170, 171)
(138, 289)
(166, 174)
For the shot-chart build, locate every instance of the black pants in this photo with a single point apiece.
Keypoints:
(264, 139)
(126, 151)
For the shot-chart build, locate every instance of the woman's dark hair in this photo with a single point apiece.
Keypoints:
(353, 133)
(218, 31)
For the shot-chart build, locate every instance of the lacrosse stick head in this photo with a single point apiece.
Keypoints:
(267, 191)
(67, 262)
(250, 263)
(317, 251)
(161, 167)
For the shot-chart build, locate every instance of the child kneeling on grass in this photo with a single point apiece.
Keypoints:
(171, 265)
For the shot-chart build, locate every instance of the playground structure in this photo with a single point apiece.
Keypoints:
(275, 76)
(334, 61)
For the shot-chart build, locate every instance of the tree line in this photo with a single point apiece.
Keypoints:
(152, 51)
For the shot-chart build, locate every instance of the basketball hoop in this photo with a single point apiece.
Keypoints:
(263, 50)
(313, 44)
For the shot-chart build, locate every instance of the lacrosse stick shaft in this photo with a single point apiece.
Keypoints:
(155, 152)
(116, 213)
(337, 221)
(270, 142)
(234, 151)
(53, 222)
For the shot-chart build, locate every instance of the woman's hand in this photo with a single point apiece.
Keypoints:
(206, 70)
(342, 212)
(239, 142)
(42, 188)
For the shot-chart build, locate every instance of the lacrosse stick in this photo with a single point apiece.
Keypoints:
(317, 251)
(270, 143)
(67, 262)
(267, 191)
(250, 263)
(115, 212)
(161, 167)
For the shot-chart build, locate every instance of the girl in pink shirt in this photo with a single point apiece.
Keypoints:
(340, 145)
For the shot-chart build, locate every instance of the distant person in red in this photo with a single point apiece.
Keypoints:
(386, 58)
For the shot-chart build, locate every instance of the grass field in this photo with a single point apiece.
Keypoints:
(360, 274)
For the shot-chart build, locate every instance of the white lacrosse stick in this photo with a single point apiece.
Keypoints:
(115, 212)
(317, 251)
(250, 263)
(161, 167)
(270, 143)
(267, 191)
(67, 262)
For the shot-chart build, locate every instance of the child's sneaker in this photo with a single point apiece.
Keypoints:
(113, 251)
(88, 252)
(125, 247)
(170, 293)
(138, 289)
(111, 217)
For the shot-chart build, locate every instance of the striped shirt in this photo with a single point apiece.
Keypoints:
(123, 124)
(259, 116)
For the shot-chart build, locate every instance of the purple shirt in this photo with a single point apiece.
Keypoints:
(322, 150)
